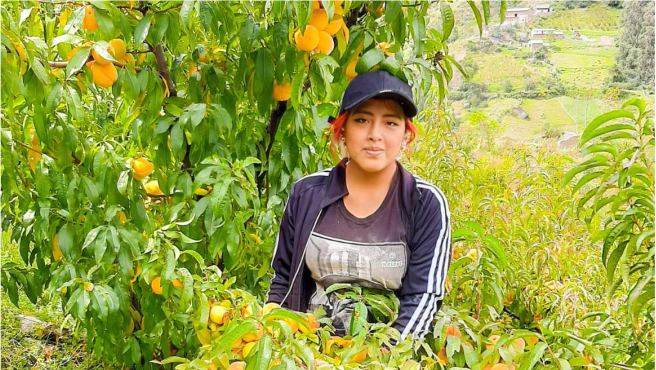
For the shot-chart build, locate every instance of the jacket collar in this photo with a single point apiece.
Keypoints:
(336, 186)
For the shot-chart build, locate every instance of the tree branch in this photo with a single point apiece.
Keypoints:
(64, 64)
(163, 69)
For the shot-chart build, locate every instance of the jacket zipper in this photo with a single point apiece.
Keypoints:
(298, 268)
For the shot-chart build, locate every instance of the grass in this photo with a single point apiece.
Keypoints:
(576, 109)
(586, 61)
(576, 79)
(597, 18)
(542, 116)
(583, 65)
(496, 69)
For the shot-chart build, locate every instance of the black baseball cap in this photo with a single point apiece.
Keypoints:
(378, 84)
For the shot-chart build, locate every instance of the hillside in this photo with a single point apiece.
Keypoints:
(540, 92)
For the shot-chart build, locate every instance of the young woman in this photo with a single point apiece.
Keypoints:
(367, 221)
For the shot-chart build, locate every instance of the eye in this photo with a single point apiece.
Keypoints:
(392, 123)
(360, 120)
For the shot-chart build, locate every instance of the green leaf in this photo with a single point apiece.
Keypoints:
(235, 333)
(54, 98)
(263, 80)
(595, 161)
(66, 38)
(485, 4)
(447, 20)
(247, 34)
(122, 182)
(185, 12)
(452, 346)
(158, 29)
(172, 360)
(585, 179)
(592, 126)
(502, 11)
(636, 102)
(178, 143)
(264, 352)
(601, 147)
(495, 246)
(100, 246)
(303, 12)
(368, 60)
(392, 65)
(91, 237)
(104, 21)
(399, 26)
(39, 71)
(99, 303)
(641, 293)
(458, 66)
(169, 268)
(419, 33)
(534, 356)
(141, 31)
(477, 14)
(77, 61)
(73, 103)
(65, 239)
(222, 116)
(196, 113)
(392, 11)
(610, 128)
(579, 361)
(82, 303)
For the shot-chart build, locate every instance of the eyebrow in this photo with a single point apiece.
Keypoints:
(393, 115)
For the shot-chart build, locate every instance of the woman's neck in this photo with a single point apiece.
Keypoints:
(357, 179)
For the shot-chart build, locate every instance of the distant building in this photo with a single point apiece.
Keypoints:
(540, 33)
(518, 15)
(534, 45)
(543, 9)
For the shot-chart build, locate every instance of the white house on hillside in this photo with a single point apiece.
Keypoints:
(534, 45)
(518, 15)
(540, 33)
(543, 9)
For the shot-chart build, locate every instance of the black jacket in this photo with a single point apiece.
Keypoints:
(425, 213)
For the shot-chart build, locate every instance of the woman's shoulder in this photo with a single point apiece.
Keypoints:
(311, 180)
(430, 193)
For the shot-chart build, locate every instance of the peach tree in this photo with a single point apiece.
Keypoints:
(148, 147)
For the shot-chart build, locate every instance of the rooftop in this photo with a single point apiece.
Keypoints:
(517, 10)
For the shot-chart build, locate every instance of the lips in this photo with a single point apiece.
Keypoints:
(374, 152)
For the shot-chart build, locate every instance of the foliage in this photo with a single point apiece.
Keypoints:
(595, 17)
(141, 183)
(619, 173)
(474, 92)
(485, 129)
(166, 264)
(542, 54)
(634, 61)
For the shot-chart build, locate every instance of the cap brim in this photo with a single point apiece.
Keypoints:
(408, 106)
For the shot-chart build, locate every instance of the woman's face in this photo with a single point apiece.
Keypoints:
(374, 133)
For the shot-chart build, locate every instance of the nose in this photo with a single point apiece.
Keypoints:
(375, 131)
